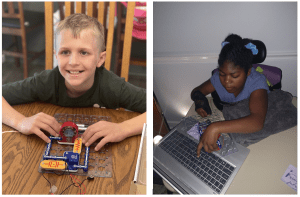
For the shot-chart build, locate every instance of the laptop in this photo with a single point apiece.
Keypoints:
(175, 160)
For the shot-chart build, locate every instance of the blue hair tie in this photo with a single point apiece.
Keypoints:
(224, 43)
(250, 46)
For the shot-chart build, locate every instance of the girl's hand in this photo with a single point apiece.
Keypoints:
(34, 124)
(208, 140)
(111, 132)
(202, 112)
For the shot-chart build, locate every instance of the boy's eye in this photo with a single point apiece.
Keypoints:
(84, 53)
(235, 76)
(65, 52)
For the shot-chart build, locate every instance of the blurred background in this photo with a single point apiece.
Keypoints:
(35, 40)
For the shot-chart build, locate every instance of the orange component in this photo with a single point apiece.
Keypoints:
(77, 145)
(53, 164)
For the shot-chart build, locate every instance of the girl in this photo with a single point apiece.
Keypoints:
(234, 81)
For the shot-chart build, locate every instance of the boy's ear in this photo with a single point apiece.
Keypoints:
(55, 53)
(101, 59)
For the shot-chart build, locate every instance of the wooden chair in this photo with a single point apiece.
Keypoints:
(15, 23)
(120, 41)
(92, 10)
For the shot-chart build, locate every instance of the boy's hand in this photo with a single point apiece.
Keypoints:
(111, 132)
(34, 124)
(208, 140)
(202, 112)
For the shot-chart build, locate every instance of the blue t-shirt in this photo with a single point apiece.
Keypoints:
(254, 82)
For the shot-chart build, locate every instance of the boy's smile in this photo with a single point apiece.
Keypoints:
(233, 78)
(78, 59)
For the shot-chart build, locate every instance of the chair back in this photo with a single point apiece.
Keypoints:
(91, 9)
(8, 11)
(15, 29)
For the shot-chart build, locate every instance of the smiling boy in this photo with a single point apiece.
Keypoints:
(80, 80)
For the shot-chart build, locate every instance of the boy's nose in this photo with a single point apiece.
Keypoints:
(73, 59)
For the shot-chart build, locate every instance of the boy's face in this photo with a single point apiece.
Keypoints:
(78, 58)
(232, 77)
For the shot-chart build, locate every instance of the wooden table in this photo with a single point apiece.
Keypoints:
(21, 156)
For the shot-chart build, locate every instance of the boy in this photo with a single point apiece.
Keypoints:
(79, 81)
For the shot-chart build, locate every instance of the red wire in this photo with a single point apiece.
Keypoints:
(81, 184)
(78, 184)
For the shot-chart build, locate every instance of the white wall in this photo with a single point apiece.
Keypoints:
(187, 41)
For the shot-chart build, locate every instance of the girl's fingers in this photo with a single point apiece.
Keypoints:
(203, 113)
(200, 145)
(211, 148)
(206, 148)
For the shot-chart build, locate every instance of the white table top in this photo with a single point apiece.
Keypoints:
(266, 163)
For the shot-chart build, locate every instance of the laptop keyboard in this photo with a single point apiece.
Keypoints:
(209, 168)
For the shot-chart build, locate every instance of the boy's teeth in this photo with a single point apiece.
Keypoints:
(74, 72)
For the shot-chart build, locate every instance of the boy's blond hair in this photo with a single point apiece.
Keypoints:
(78, 22)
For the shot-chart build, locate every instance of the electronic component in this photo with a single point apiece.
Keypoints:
(88, 162)
(68, 133)
(77, 145)
(70, 159)
(53, 164)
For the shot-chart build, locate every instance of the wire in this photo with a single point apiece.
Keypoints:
(58, 174)
(81, 183)
(74, 181)
(74, 185)
(48, 181)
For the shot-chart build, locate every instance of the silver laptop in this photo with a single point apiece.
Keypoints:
(175, 160)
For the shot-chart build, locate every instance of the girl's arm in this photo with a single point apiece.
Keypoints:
(258, 105)
(205, 88)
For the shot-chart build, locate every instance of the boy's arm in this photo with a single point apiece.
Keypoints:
(113, 132)
(29, 125)
(258, 105)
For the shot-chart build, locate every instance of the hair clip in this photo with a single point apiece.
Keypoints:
(224, 43)
(252, 47)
